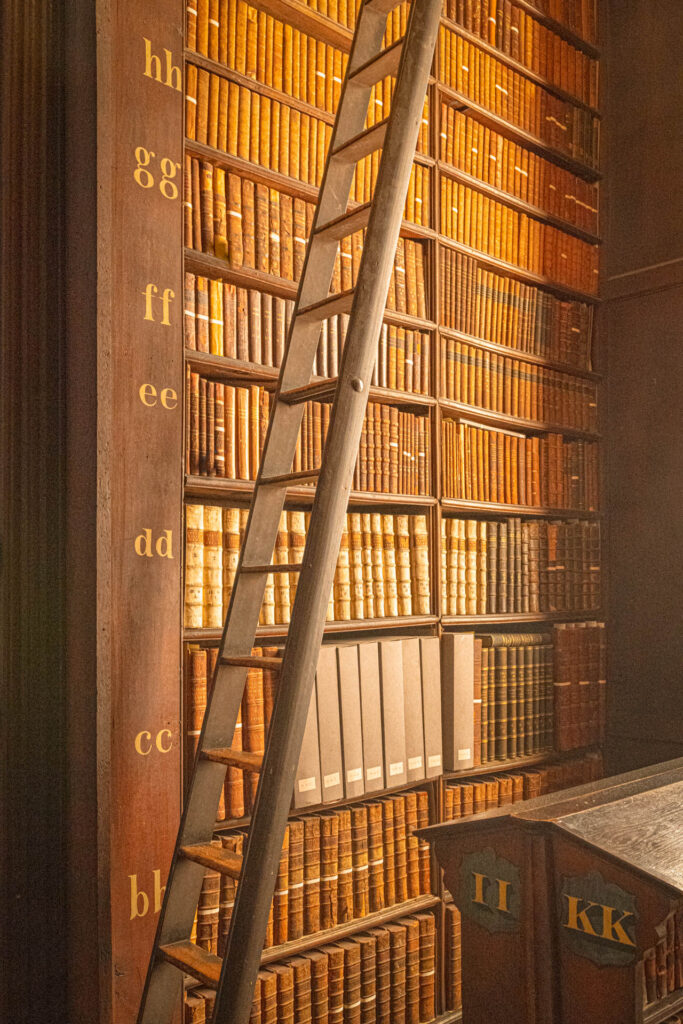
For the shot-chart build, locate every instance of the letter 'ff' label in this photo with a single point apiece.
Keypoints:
(598, 920)
(490, 891)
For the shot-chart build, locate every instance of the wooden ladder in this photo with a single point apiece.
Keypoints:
(234, 977)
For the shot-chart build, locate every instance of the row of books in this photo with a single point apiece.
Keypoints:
(580, 16)
(374, 720)
(491, 84)
(476, 376)
(512, 30)
(663, 965)
(386, 975)
(245, 324)
(580, 659)
(474, 148)
(334, 868)
(382, 570)
(483, 304)
(476, 795)
(478, 464)
(267, 132)
(514, 566)
(452, 958)
(227, 427)
(260, 228)
(479, 222)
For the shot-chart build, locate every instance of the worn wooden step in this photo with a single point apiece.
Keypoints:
(252, 661)
(363, 144)
(302, 477)
(331, 306)
(191, 959)
(382, 6)
(379, 67)
(216, 858)
(234, 758)
(347, 224)
(318, 391)
(278, 567)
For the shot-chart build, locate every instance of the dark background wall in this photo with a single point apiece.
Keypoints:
(643, 330)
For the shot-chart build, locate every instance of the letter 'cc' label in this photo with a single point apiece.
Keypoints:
(491, 891)
(598, 920)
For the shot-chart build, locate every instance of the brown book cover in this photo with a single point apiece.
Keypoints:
(329, 870)
(398, 943)
(345, 869)
(312, 848)
(383, 974)
(360, 860)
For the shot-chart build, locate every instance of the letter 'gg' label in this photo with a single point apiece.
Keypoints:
(598, 920)
(491, 891)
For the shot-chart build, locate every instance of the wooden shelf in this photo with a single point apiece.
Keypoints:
(489, 418)
(236, 369)
(225, 491)
(279, 630)
(207, 265)
(284, 182)
(223, 71)
(519, 618)
(519, 273)
(305, 18)
(340, 931)
(660, 1011)
(517, 204)
(520, 135)
(520, 68)
(560, 28)
(490, 767)
(230, 825)
(514, 353)
(493, 508)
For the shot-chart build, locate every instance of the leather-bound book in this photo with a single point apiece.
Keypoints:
(419, 537)
(412, 928)
(274, 262)
(335, 982)
(345, 868)
(213, 567)
(427, 966)
(269, 1007)
(312, 864)
(329, 870)
(220, 216)
(398, 942)
(356, 566)
(295, 925)
(412, 848)
(400, 848)
(425, 859)
(207, 910)
(235, 249)
(319, 986)
(284, 975)
(359, 851)
(228, 890)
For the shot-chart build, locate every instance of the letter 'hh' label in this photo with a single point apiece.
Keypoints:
(491, 892)
(598, 920)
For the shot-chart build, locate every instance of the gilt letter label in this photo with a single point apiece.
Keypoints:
(491, 891)
(598, 919)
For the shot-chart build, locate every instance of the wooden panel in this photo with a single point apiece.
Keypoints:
(32, 479)
(645, 93)
(140, 310)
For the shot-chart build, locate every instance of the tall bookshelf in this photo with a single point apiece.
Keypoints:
(569, 369)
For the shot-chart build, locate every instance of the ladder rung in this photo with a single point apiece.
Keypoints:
(252, 661)
(382, 6)
(282, 567)
(331, 306)
(363, 144)
(306, 476)
(385, 63)
(234, 758)
(193, 960)
(320, 391)
(216, 858)
(342, 227)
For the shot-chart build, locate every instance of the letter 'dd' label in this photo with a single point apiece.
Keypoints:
(598, 920)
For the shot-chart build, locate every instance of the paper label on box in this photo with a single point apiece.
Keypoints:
(331, 780)
(374, 773)
(465, 754)
(396, 768)
(434, 761)
(306, 785)
(355, 775)
(414, 762)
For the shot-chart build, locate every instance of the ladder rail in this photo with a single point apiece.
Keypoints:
(235, 989)
(269, 819)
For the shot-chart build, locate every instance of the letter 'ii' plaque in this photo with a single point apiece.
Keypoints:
(598, 920)
(491, 891)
